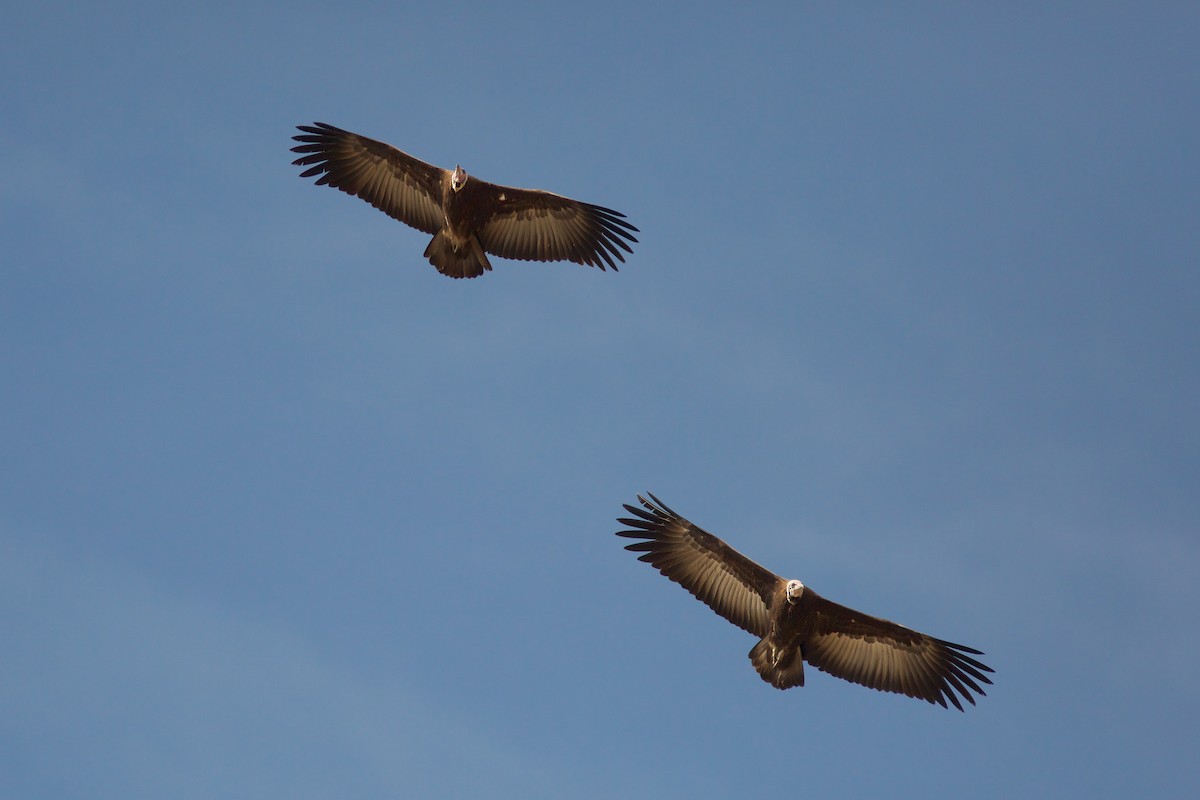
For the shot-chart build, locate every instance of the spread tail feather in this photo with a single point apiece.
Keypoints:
(468, 262)
(783, 668)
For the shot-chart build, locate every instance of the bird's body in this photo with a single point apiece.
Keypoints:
(455, 250)
(794, 623)
(467, 217)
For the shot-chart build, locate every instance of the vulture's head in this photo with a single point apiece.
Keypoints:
(458, 179)
(794, 590)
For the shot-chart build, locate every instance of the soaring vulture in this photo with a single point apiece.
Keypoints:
(467, 217)
(794, 623)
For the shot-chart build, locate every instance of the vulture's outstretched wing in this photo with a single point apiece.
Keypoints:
(532, 225)
(882, 655)
(719, 576)
(399, 185)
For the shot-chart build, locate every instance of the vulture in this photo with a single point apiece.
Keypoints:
(794, 623)
(467, 217)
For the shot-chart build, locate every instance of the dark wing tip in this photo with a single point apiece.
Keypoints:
(654, 504)
(319, 128)
(317, 133)
(647, 523)
(642, 522)
(613, 216)
(611, 235)
(962, 675)
(958, 654)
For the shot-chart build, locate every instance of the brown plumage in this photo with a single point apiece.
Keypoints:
(794, 623)
(468, 217)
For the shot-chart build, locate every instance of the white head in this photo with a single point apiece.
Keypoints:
(795, 589)
(458, 179)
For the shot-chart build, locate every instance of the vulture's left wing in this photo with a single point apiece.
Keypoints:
(882, 655)
(720, 577)
(532, 225)
(399, 185)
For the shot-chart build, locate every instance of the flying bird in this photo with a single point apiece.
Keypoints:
(794, 623)
(468, 218)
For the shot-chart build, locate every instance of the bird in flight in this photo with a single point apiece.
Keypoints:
(468, 218)
(794, 623)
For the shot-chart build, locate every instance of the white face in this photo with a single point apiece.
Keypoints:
(458, 179)
(794, 590)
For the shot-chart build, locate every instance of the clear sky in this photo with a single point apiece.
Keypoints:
(914, 319)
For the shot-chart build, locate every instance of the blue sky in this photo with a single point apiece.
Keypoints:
(285, 513)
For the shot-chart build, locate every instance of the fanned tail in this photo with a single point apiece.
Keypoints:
(781, 668)
(467, 262)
